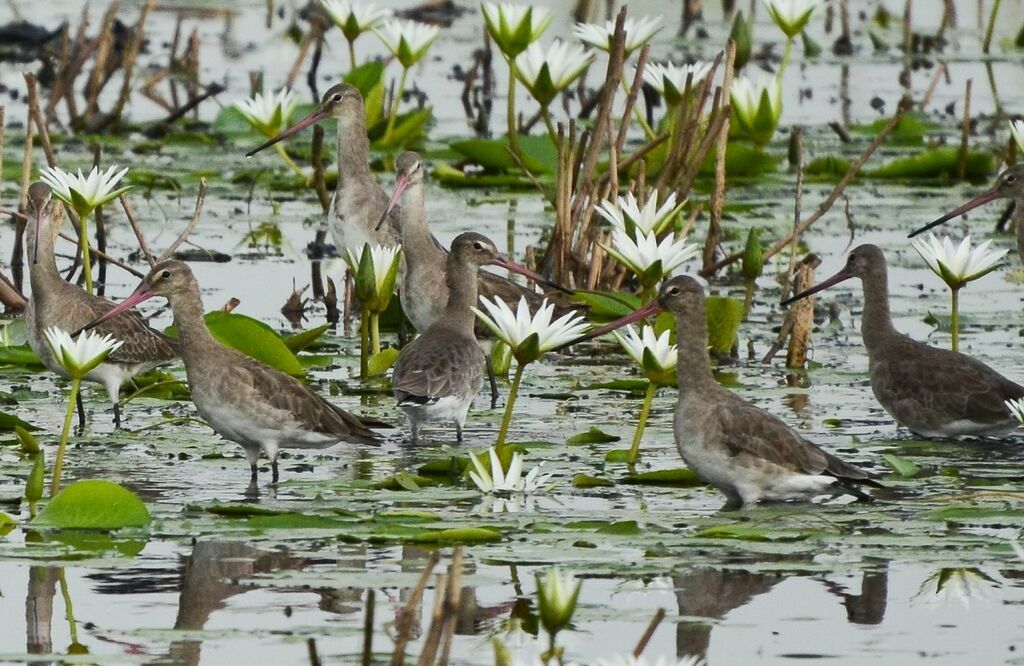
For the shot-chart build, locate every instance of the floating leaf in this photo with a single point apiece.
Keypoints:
(93, 504)
(452, 466)
(7, 523)
(607, 305)
(682, 477)
(964, 513)
(538, 153)
(621, 528)
(749, 533)
(19, 355)
(582, 480)
(901, 466)
(593, 436)
(936, 163)
(295, 521)
(617, 456)
(240, 510)
(10, 422)
(378, 364)
(303, 339)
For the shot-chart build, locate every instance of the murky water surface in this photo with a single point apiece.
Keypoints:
(931, 575)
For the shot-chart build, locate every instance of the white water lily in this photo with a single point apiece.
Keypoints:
(408, 41)
(268, 113)
(791, 15)
(84, 193)
(545, 73)
(1016, 408)
(650, 259)
(376, 272)
(557, 592)
(652, 352)
(529, 335)
(514, 27)
(354, 18)
(493, 479)
(956, 584)
(756, 106)
(638, 32)
(958, 264)
(670, 80)
(80, 355)
(1017, 132)
(626, 213)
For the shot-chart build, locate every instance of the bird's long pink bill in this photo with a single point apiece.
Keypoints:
(980, 200)
(141, 293)
(508, 264)
(401, 184)
(646, 311)
(311, 119)
(821, 286)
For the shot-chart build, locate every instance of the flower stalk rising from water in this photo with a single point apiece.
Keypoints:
(545, 73)
(557, 593)
(528, 336)
(514, 28)
(792, 17)
(84, 194)
(408, 41)
(376, 272)
(353, 19)
(270, 115)
(78, 357)
(657, 358)
(957, 265)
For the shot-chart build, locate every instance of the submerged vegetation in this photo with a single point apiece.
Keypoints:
(622, 149)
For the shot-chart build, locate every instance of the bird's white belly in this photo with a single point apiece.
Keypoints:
(967, 428)
(448, 408)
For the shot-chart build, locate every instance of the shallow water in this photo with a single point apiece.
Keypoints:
(835, 580)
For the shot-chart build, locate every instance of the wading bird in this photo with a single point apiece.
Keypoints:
(748, 454)
(243, 400)
(933, 392)
(439, 373)
(57, 302)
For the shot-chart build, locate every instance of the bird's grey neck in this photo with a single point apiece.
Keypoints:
(44, 268)
(353, 152)
(417, 241)
(462, 294)
(1018, 223)
(189, 320)
(694, 367)
(876, 322)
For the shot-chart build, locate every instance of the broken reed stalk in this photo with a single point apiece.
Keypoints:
(371, 597)
(103, 255)
(97, 78)
(649, 633)
(404, 622)
(965, 133)
(825, 205)
(987, 44)
(312, 652)
(798, 146)
(801, 314)
(942, 71)
(718, 193)
(453, 599)
(446, 610)
(146, 252)
(183, 236)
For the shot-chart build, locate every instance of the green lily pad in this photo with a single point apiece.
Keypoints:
(253, 338)
(593, 436)
(582, 480)
(682, 477)
(901, 466)
(93, 504)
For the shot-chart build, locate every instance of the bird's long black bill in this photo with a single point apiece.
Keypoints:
(980, 200)
(821, 286)
(312, 118)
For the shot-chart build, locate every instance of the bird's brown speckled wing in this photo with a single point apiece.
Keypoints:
(759, 437)
(284, 392)
(940, 384)
(435, 366)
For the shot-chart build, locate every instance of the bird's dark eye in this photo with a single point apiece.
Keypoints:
(336, 97)
(165, 274)
(1011, 178)
(478, 245)
(673, 290)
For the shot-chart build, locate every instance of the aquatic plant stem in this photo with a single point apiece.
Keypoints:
(748, 297)
(954, 319)
(546, 115)
(83, 244)
(58, 462)
(364, 342)
(279, 147)
(645, 411)
(785, 57)
(393, 111)
(375, 332)
(513, 131)
(991, 26)
(351, 54)
(69, 612)
(510, 402)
